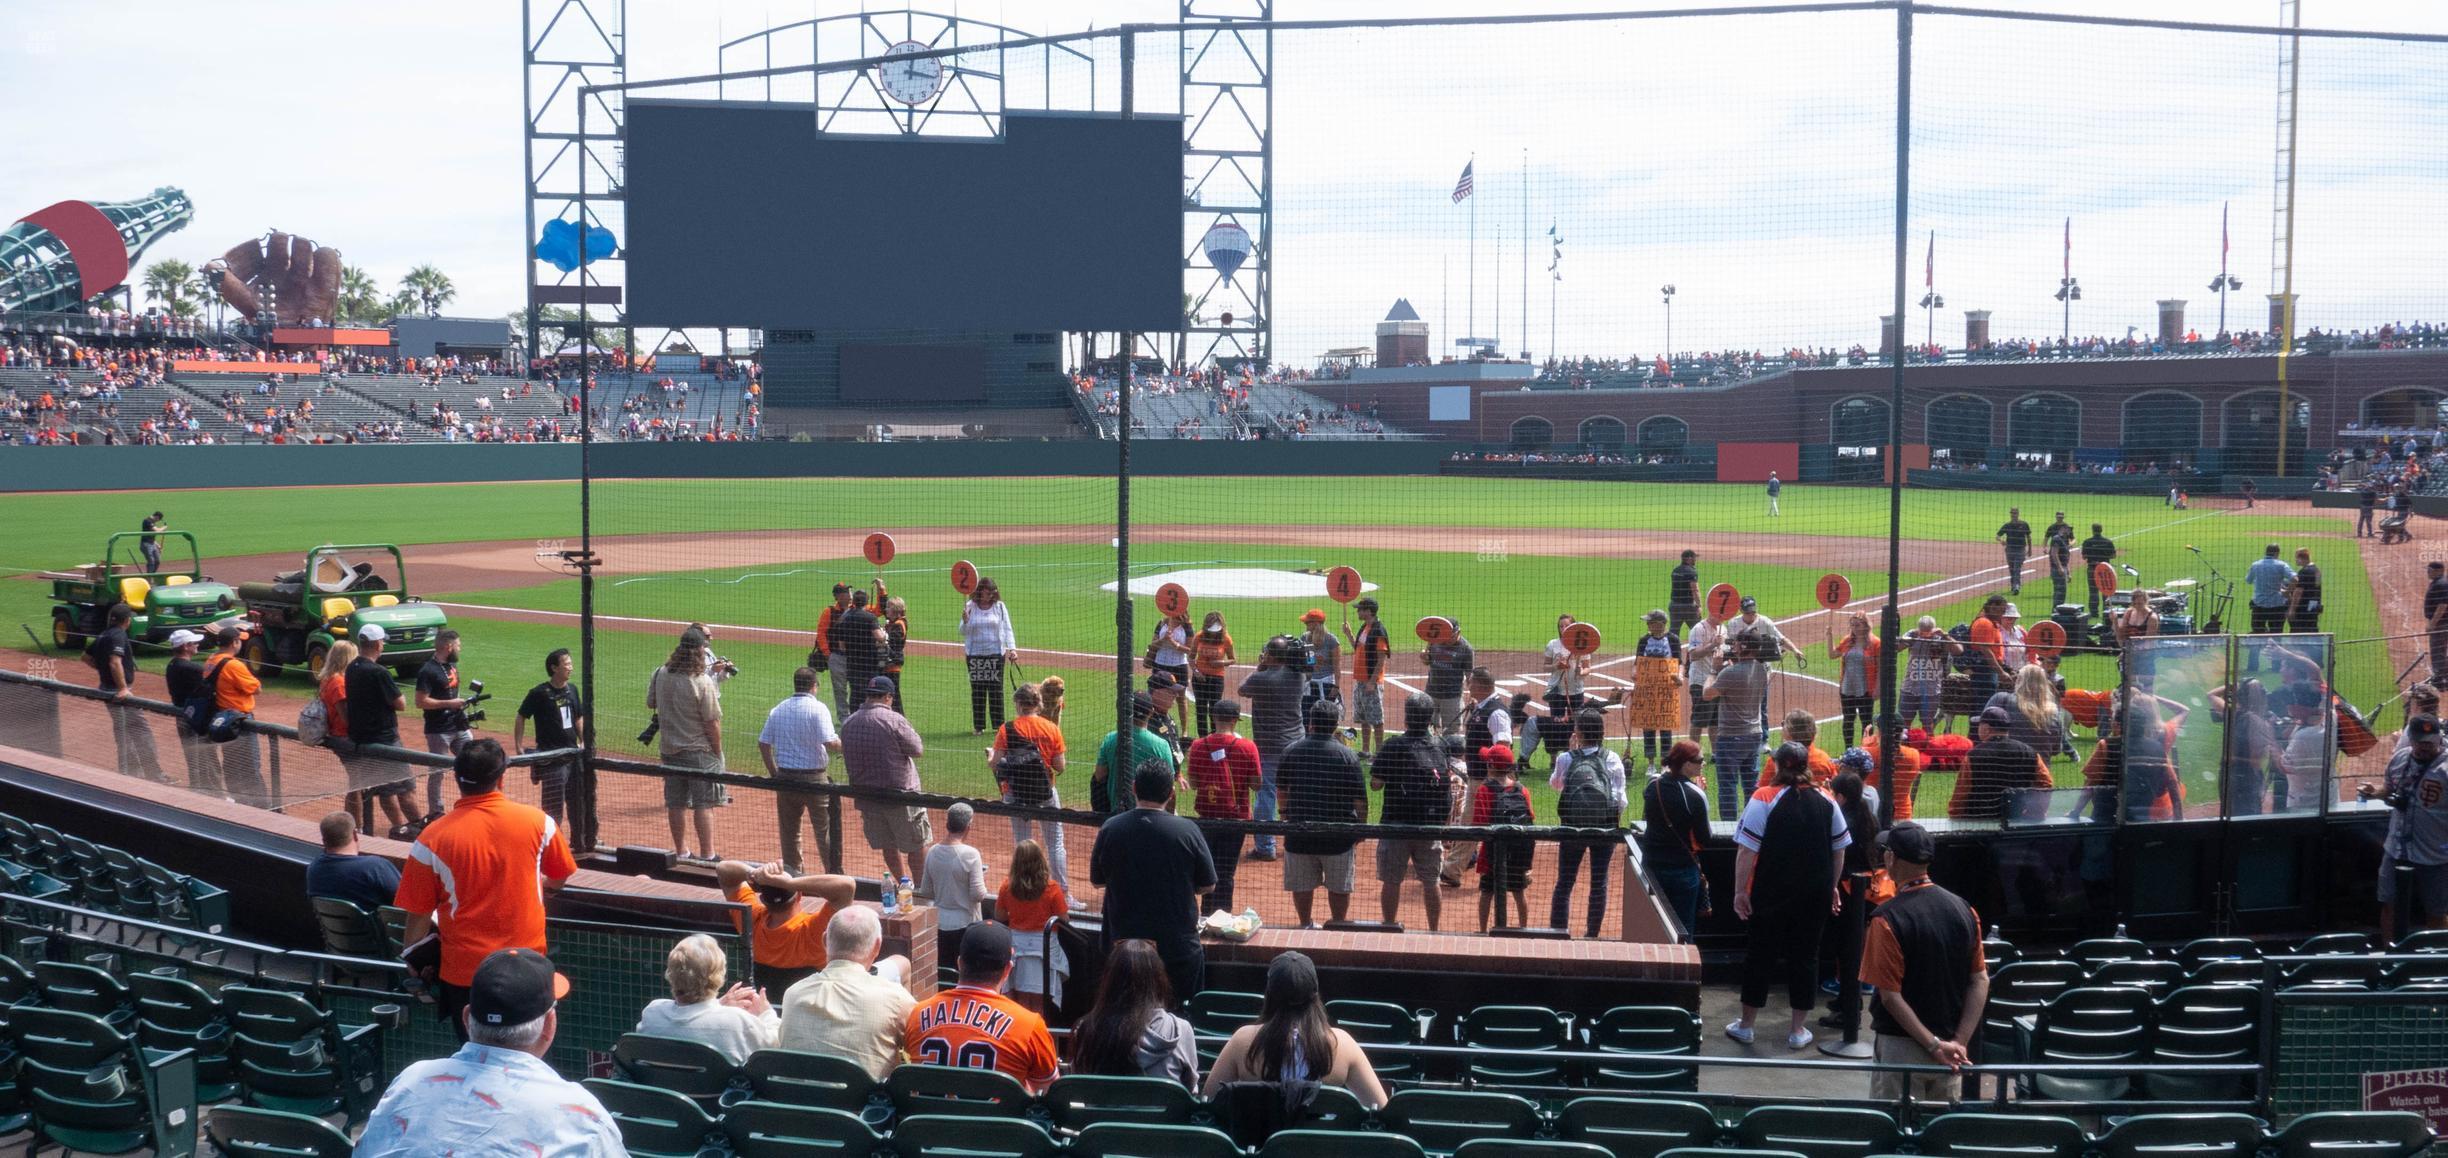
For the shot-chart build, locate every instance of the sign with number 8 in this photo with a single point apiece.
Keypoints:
(1834, 591)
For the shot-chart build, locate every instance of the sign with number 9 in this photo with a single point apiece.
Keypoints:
(2045, 639)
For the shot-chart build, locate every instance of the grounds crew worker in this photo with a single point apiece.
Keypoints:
(480, 874)
(1923, 953)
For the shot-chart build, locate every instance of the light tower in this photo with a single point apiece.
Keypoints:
(1228, 152)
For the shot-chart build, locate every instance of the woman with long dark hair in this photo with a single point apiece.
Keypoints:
(1293, 1042)
(1128, 1032)
(987, 643)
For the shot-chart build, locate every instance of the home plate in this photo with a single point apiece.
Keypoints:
(1236, 583)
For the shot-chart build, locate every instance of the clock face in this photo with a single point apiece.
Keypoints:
(912, 82)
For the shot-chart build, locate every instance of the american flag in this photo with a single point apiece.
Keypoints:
(1462, 188)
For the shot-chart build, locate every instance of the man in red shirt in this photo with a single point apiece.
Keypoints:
(1223, 771)
(480, 873)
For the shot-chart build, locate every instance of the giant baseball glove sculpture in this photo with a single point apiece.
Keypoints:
(304, 278)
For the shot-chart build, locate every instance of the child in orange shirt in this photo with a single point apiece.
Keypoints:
(1028, 902)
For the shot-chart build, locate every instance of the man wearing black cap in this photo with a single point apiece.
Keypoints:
(113, 656)
(1154, 866)
(1164, 690)
(2415, 787)
(1999, 767)
(496, 1095)
(1923, 953)
(974, 1026)
(1416, 777)
(820, 652)
(1108, 781)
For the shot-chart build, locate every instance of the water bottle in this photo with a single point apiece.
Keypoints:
(892, 899)
(909, 894)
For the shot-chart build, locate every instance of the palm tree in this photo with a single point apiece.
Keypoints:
(360, 298)
(431, 287)
(403, 302)
(170, 281)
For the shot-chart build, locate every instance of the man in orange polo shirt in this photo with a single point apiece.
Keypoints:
(481, 872)
(234, 688)
(787, 938)
(1985, 660)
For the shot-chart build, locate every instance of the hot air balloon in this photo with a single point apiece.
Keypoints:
(1227, 245)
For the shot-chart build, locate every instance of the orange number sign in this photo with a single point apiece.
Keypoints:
(2045, 639)
(1173, 599)
(964, 576)
(1343, 585)
(1724, 602)
(878, 548)
(1435, 629)
(2103, 576)
(1834, 591)
(1582, 639)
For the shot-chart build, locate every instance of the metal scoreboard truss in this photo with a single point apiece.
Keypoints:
(568, 48)
(942, 93)
(1228, 181)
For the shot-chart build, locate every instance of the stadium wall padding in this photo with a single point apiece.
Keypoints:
(90, 468)
(1751, 461)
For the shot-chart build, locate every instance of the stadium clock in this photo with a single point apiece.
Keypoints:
(912, 82)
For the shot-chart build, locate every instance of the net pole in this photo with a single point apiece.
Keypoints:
(582, 795)
(2286, 301)
(1120, 778)
(1890, 616)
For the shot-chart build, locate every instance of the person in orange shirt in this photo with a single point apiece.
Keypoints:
(1029, 900)
(1985, 659)
(1211, 655)
(234, 687)
(1370, 648)
(1801, 728)
(974, 1026)
(786, 937)
(478, 876)
(1909, 763)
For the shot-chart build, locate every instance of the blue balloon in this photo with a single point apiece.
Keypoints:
(560, 246)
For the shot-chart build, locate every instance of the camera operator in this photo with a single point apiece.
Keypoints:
(559, 712)
(446, 712)
(2415, 786)
(1274, 696)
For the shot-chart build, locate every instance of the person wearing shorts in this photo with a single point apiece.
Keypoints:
(1416, 776)
(446, 720)
(880, 750)
(689, 709)
(1369, 650)
(1321, 783)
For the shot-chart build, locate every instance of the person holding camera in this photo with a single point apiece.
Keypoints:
(1274, 696)
(559, 712)
(478, 876)
(446, 712)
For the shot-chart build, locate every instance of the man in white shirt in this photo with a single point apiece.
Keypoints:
(798, 743)
(856, 1006)
(1704, 653)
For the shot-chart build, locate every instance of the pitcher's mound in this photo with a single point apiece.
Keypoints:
(1237, 583)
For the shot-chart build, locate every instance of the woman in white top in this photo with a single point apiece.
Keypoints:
(954, 877)
(987, 642)
(1169, 651)
(736, 1023)
(1293, 1042)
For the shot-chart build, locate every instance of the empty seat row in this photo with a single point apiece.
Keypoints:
(2193, 955)
(42, 862)
(1508, 1037)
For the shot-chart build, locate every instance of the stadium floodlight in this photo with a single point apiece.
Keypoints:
(2069, 291)
(1931, 303)
(2220, 285)
(1667, 293)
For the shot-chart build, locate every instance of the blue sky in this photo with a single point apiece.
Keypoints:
(1744, 159)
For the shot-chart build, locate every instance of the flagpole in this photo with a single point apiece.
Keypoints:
(1525, 256)
(1470, 273)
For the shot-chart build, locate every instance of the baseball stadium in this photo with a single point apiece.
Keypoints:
(1024, 505)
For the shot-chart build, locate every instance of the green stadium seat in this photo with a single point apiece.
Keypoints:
(1381, 1023)
(1135, 1140)
(656, 1123)
(1441, 1120)
(1083, 1100)
(2428, 972)
(2093, 1025)
(350, 931)
(1638, 1127)
(964, 1136)
(175, 1013)
(1652, 1030)
(1219, 1012)
(17, 841)
(80, 864)
(1717, 1152)
(2202, 949)
(2099, 951)
(296, 1057)
(1975, 1135)
(1998, 951)
(1252, 1112)
(1818, 1131)
(1528, 1148)
(1339, 1144)
(2332, 944)
(772, 1130)
(247, 1132)
(799, 1078)
(949, 1091)
(17, 983)
(2333, 971)
(2204, 1025)
(92, 1088)
(691, 1069)
(2253, 973)
(2423, 941)
(1509, 1036)
(2155, 977)
(2353, 1134)
(131, 894)
(2020, 990)
(2182, 1136)
(84, 989)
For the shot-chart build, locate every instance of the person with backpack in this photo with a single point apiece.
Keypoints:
(233, 687)
(184, 677)
(1416, 777)
(1026, 757)
(1789, 850)
(1589, 784)
(1504, 862)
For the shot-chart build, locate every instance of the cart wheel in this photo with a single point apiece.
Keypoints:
(314, 659)
(257, 655)
(64, 633)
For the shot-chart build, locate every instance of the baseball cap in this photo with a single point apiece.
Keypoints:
(182, 637)
(985, 947)
(1909, 841)
(841, 589)
(1997, 717)
(1158, 681)
(1141, 704)
(228, 633)
(1750, 604)
(1497, 756)
(1313, 615)
(2013, 612)
(880, 686)
(1859, 760)
(2422, 726)
(372, 633)
(692, 637)
(514, 987)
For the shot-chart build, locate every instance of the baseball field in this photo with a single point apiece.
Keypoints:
(755, 559)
